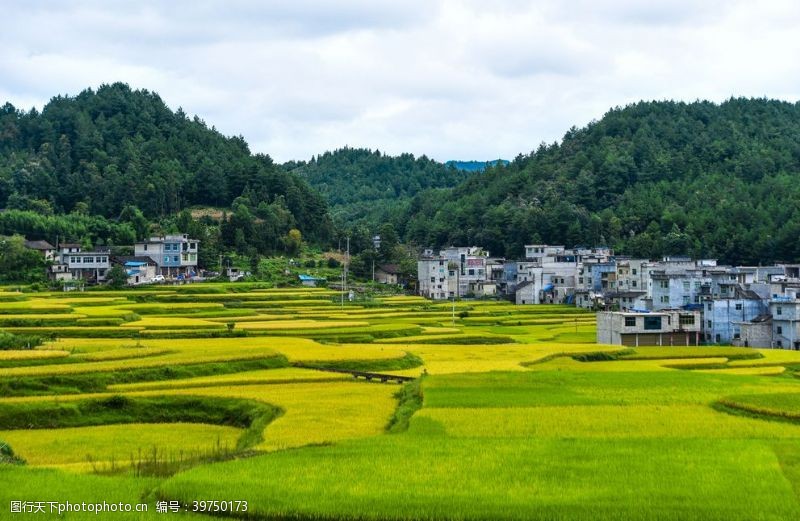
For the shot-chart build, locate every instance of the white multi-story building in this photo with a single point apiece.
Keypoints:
(90, 266)
(433, 277)
(174, 255)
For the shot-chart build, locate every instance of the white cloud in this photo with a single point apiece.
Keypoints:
(449, 78)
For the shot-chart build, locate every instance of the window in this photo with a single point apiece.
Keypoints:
(471, 272)
(630, 321)
(664, 299)
(580, 280)
(685, 285)
(709, 306)
(718, 339)
(652, 323)
(709, 324)
(166, 258)
(739, 306)
(175, 258)
(433, 279)
(633, 283)
(779, 330)
(686, 320)
(145, 247)
(87, 259)
(193, 246)
(633, 271)
(664, 284)
(779, 311)
(98, 259)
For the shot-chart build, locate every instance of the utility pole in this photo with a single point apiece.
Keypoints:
(346, 263)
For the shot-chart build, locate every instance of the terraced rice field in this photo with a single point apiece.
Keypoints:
(236, 392)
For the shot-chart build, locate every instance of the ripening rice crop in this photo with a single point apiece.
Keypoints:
(33, 306)
(320, 412)
(77, 448)
(171, 322)
(641, 353)
(262, 376)
(769, 357)
(301, 324)
(32, 354)
(448, 339)
(762, 371)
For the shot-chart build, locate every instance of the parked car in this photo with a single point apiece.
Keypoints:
(159, 278)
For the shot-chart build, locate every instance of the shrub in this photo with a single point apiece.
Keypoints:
(9, 341)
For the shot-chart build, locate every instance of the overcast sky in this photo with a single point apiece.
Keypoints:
(451, 79)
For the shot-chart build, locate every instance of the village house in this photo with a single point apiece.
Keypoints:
(433, 277)
(47, 250)
(175, 256)
(387, 274)
(139, 270)
(88, 266)
(668, 327)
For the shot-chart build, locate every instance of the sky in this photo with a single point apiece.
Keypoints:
(452, 79)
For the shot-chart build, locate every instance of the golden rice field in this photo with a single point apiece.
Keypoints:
(237, 392)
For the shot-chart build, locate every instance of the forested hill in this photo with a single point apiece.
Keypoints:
(649, 179)
(102, 150)
(365, 186)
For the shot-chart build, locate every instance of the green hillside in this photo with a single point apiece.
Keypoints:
(366, 187)
(649, 179)
(101, 151)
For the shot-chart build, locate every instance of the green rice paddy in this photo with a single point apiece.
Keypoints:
(231, 392)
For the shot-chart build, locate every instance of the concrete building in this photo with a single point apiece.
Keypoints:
(90, 266)
(174, 255)
(673, 287)
(433, 277)
(140, 270)
(723, 315)
(785, 313)
(669, 327)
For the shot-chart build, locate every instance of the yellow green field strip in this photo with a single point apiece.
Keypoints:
(262, 376)
(89, 448)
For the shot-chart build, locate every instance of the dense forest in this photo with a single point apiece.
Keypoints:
(123, 157)
(652, 178)
(367, 187)
(113, 165)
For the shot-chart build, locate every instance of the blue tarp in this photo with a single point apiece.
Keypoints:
(135, 264)
(548, 287)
